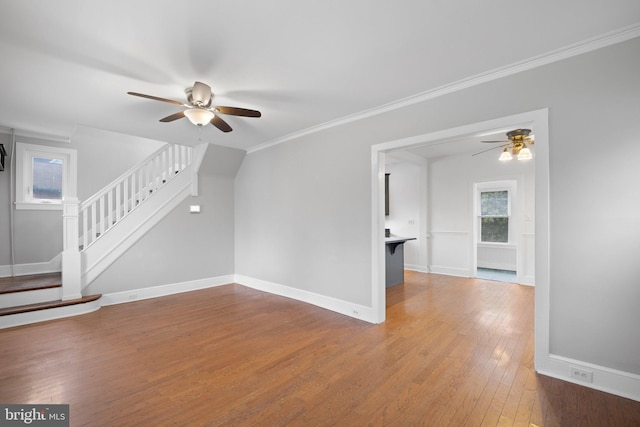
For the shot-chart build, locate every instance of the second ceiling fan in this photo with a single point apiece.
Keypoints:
(516, 145)
(200, 109)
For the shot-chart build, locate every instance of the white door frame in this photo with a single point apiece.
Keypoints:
(540, 120)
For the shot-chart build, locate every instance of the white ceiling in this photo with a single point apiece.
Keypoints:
(302, 64)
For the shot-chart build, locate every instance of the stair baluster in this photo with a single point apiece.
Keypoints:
(110, 205)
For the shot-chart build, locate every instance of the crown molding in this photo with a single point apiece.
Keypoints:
(37, 135)
(588, 45)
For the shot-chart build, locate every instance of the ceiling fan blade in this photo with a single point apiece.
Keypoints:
(494, 141)
(233, 111)
(492, 148)
(173, 117)
(221, 124)
(201, 93)
(155, 98)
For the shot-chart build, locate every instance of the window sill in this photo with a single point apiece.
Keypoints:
(39, 206)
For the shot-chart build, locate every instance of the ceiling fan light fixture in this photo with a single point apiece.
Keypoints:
(199, 116)
(505, 156)
(525, 154)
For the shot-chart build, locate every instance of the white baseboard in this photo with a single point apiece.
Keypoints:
(52, 266)
(527, 280)
(418, 268)
(605, 379)
(20, 319)
(347, 308)
(449, 271)
(164, 290)
(459, 272)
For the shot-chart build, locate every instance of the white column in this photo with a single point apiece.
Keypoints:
(71, 257)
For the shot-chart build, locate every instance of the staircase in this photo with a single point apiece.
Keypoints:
(29, 299)
(98, 231)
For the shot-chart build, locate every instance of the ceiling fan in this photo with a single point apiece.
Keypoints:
(200, 109)
(516, 145)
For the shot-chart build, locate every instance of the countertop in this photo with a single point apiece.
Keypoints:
(397, 239)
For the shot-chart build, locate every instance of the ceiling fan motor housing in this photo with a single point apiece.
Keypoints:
(196, 102)
(518, 133)
(519, 138)
(199, 109)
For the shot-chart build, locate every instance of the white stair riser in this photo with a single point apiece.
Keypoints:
(19, 319)
(30, 297)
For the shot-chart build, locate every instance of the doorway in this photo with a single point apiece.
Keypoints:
(539, 120)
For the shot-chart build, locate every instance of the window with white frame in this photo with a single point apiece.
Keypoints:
(44, 176)
(495, 210)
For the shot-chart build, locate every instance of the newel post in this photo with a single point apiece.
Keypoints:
(71, 257)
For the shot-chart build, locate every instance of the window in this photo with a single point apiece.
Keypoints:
(494, 216)
(44, 176)
(47, 179)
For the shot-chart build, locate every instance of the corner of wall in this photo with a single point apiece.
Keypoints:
(346, 308)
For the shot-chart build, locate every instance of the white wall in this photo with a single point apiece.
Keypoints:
(407, 216)
(451, 212)
(502, 257)
(304, 207)
(452, 217)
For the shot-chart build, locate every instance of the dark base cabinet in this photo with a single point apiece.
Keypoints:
(394, 259)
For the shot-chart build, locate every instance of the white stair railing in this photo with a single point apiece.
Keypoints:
(90, 245)
(103, 210)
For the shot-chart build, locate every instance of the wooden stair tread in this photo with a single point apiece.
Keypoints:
(48, 304)
(30, 282)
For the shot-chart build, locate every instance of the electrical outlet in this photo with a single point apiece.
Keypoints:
(412, 222)
(581, 374)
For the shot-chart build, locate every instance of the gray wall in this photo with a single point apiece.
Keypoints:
(184, 246)
(302, 216)
(303, 207)
(37, 234)
(5, 204)
(102, 157)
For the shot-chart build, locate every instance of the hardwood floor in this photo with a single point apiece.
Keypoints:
(453, 351)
